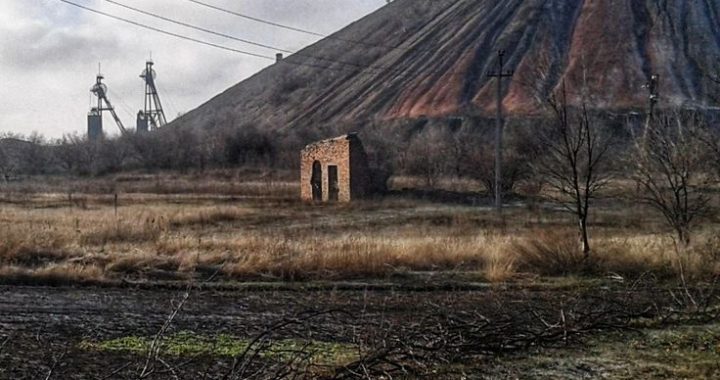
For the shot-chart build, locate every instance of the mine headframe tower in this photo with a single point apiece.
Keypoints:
(95, 123)
(152, 115)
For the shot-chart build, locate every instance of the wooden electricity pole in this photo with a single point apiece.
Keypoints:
(653, 98)
(500, 74)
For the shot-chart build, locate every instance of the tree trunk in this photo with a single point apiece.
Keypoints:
(683, 237)
(585, 240)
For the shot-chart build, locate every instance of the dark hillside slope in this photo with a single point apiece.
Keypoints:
(423, 58)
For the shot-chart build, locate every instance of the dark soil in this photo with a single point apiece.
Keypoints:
(44, 327)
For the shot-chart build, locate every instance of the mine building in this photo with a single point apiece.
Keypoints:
(335, 170)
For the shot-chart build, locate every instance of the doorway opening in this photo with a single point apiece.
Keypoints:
(316, 181)
(333, 186)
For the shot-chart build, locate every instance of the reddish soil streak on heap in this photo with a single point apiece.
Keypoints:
(431, 58)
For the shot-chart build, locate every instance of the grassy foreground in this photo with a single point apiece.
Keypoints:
(684, 352)
(156, 232)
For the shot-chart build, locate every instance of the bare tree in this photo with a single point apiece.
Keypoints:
(672, 168)
(458, 151)
(74, 154)
(12, 148)
(483, 168)
(711, 140)
(480, 164)
(573, 161)
(112, 154)
(5, 165)
(427, 156)
(36, 157)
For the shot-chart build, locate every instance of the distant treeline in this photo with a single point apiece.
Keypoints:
(428, 149)
(182, 149)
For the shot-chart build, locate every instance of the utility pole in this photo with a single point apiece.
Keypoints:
(653, 99)
(499, 124)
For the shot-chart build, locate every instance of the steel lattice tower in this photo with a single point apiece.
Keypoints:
(95, 125)
(152, 116)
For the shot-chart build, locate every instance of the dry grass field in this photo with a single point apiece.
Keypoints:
(179, 228)
(187, 274)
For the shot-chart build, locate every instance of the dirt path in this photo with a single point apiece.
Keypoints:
(109, 312)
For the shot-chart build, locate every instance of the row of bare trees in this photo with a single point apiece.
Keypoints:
(179, 149)
(438, 153)
(569, 159)
(673, 163)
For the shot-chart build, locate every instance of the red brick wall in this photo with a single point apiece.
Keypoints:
(345, 152)
(360, 173)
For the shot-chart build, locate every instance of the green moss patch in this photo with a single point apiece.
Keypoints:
(190, 344)
(686, 352)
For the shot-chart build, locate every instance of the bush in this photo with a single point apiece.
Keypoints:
(550, 253)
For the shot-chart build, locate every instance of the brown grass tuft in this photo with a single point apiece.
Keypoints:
(350, 256)
(52, 275)
(158, 237)
(550, 253)
(208, 217)
(500, 264)
(44, 246)
(147, 230)
(142, 262)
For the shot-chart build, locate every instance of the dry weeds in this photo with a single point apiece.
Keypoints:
(151, 236)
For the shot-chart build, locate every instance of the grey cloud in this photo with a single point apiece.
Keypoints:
(51, 50)
(38, 47)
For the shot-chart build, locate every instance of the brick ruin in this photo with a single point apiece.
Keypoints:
(335, 170)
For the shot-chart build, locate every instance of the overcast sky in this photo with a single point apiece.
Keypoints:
(49, 54)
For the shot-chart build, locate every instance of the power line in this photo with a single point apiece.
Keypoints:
(191, 26)
(243, 40)
(397, 72)
(295, 29)
(167, 32)
(256, 19)
(191, 39)
(124, 106)
(170, 103)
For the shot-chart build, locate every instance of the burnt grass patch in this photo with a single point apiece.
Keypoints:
(339, 333)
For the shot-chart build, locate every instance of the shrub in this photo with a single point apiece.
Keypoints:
(500, 266)
(550, 253)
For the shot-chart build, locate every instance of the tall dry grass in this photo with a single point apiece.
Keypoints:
(123, 231)
(156, 237)
(34, 246)
(276, 185)
(55, 275)
(352, 256)
(557, 253)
